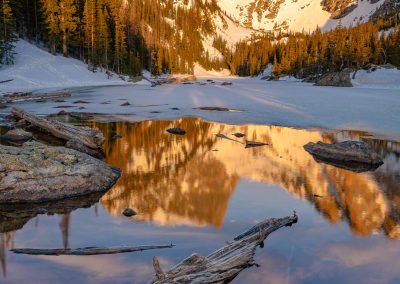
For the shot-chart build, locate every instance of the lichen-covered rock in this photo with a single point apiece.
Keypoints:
(36, 172)
(347, 154)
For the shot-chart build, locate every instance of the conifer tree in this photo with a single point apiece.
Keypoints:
(7, 33)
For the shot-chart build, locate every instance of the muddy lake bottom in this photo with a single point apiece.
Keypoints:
(198, 191)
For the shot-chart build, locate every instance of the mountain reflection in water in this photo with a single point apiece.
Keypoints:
(189, 180)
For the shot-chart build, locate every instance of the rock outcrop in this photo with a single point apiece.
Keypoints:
(335, 79)
(352, 155)
(36, 173)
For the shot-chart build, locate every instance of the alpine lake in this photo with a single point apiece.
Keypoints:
(199, 190)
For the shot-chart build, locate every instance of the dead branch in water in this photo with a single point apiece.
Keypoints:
(90, 137)
(88, 250)
(226, 263)
(19, 97)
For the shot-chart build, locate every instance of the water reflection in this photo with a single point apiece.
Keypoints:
(189, 180)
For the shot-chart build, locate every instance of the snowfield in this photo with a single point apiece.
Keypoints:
(296, 15)
(36, 69)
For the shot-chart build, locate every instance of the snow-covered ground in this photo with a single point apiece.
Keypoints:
(284, 103)
(36, 69)
(379, 79)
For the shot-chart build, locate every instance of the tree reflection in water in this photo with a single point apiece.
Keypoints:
(188, 180)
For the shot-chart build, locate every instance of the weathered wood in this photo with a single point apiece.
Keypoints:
(88, 250)
(18, 97)
(226, 263)
(90, 137)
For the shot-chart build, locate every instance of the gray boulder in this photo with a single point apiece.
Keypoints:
(335, 79)
(36, 172)
(352, 155)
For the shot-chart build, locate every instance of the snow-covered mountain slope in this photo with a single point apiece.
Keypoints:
(298, 15)
(36, 69)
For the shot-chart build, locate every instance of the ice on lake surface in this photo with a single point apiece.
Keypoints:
(199, 190)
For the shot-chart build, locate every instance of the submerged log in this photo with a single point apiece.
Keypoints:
(353, 155)
(92, 138)
(226, 263)
(88, 250)
(19, 97)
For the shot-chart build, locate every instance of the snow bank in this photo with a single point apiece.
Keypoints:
(36, 69)
(381, 78)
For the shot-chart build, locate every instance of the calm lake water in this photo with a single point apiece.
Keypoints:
(198, 191)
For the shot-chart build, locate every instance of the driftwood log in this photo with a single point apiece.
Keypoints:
(90, 137)
(19, 97)
(224, 264)
(88, 250)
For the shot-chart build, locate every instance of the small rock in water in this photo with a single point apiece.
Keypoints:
(81, 102)
(117, 136)
(63, 112)
(128, 212)
(250, 144)
(17, 134)
(42, 211)
(226, 83)
(126, 104)
(214, 108)
(59, 101)
(176, 131)
(174, 108)
(239, 135)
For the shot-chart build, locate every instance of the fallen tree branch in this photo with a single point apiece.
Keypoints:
(90, 137)
(19, 97)
(88, 250)
(226, 263)
(6, 81)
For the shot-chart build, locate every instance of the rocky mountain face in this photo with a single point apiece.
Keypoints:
(339, 9)
(299, 15)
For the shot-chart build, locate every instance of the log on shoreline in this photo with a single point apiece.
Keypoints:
(88, 250)
(90, 137)
(19, 97)
(225, 264)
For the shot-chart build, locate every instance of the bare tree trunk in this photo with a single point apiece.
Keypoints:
(65, 44)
